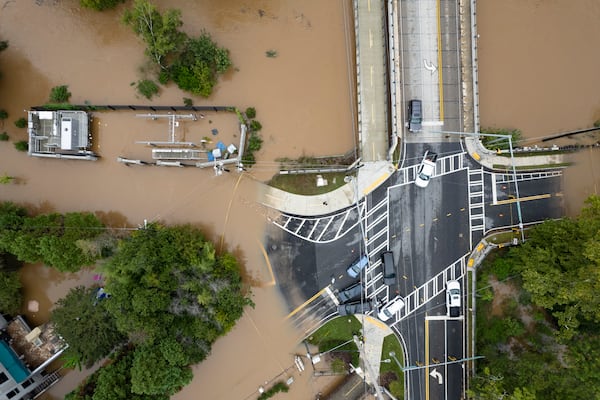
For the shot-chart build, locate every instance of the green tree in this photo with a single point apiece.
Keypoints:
(490, 387)
(559, 268)
(159, 31)
(147, 88)
(12, 218)
(250, 112)
(21, 123)
(60, 94)
(201, 61)
(22, 145)
(100, 5)
(152, 373)
(3, 114)
(53, 239)
(10, 293)
(83, 321)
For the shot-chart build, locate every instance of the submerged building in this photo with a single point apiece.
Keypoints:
(25, 356)
(60, 134)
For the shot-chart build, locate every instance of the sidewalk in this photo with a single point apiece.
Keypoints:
(489, 158)
(369, 177)
(374, 331)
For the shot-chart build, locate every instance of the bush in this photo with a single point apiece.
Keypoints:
(163, 77)
(188, 102)
(254, 143)
(3, 137)
(597, 124)
(250, 112)
(147, 88)
(22, 145)
(3, 45)
(3, 114)
(278, 387)
(248, 159)
(494, 143)
(255, 126)
(99, 5)
(60, 94)
(21, 123)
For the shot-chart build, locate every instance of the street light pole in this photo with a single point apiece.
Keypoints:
(514, 168)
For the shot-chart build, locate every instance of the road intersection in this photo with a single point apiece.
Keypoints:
(433, 233)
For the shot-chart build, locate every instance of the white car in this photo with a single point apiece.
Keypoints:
(426, 169)
(391, 308)
(453, 298)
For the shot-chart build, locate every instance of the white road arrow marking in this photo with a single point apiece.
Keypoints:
(429, 66)
(435, 374)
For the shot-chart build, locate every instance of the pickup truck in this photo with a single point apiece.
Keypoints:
(426, 169)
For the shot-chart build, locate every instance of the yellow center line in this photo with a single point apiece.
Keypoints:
(440, 74)
(228, 211)
(426, 359)
(528, 198)
(306, 303)
(264, 251)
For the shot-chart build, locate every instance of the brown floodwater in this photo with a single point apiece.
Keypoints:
(304, 100)
(538, 72)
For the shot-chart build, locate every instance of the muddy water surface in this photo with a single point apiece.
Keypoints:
(538, 72)
(302, 97)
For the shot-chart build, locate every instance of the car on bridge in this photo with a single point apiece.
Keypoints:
(453, 298)
(415, 115)
(426, 169)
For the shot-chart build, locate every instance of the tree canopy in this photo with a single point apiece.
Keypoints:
(100, 5)
(83, 321)
(172, 296)
(560, 268)
(57, 240)
(159, 31)
(551, 327)
(10, 293)
(194, 64)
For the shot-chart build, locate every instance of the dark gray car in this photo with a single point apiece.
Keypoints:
(415, 115)
(350, 293)
(355, 308)
(389, 269)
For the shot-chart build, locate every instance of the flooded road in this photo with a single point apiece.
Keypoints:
(538, 72)
(303, 101)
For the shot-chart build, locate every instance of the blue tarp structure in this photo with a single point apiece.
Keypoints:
(221, 146)
(11, 362)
